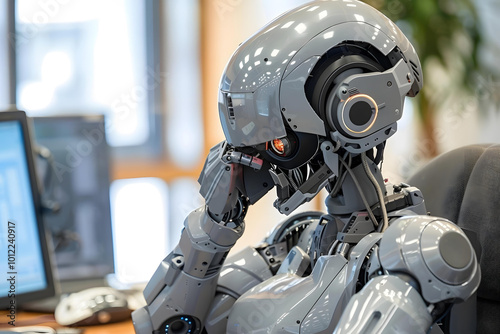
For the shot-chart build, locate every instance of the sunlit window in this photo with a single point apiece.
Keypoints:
(184, 198)
(87, 56)
(184, 129)
(4, 59)
(136, 62)
(140, 225)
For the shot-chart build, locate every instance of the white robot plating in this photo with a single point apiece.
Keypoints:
(308, 103)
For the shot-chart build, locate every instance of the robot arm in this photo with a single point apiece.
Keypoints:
(182, 289)
(427, 265)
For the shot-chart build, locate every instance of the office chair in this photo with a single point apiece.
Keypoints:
(464, 186)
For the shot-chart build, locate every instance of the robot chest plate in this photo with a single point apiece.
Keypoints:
(288, 303)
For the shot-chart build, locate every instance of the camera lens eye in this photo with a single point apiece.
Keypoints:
(361, 113)
(281, 147)
(278, 146)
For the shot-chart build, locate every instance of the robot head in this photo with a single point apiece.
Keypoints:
(334, 70)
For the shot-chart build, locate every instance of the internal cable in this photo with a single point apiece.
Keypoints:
(360, 190)
(340, 180)
(377, 189)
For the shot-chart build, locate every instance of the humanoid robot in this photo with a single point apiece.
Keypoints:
(308, 103)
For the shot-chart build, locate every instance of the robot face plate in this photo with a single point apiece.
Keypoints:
(253, 117)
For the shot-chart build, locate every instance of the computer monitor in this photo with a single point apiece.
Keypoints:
(77, 179)
(25, 260)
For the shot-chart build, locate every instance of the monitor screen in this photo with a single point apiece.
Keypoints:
(25, 260)
(77, 179)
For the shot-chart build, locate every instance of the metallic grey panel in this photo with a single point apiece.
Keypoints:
(404, 249)
(204, 231)
(447, 253)
(306, 237)
(356, 30)
(385, 305)
(142, 322)
(218, 181)
(281, 40)
(244, 270)
(296, 109)
(296, 262)
(188, 295)
(357, 257)
(359, 145)
(255, 117)
(216, 322)
(262, 309)
(163, 275)
(326, 312)
(331, 158)
(375, 92)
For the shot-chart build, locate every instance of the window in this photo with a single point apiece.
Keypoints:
(91, 57)
(5, 54)
(137, 63)
(140, 217)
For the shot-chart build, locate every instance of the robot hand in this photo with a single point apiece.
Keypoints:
(231, 180)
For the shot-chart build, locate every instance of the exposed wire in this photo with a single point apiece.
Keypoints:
(291, 179)
(360, 190)
(340, 180)
(377, 189)
(297, 174)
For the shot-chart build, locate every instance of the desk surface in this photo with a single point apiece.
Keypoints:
(45, 319)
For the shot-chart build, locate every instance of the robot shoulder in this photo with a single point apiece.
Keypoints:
(436, 253)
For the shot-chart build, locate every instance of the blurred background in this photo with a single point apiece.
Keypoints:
(152, 68)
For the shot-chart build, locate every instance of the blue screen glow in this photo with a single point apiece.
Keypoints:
(17, 206)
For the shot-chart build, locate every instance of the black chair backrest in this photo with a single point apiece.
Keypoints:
(464, 187)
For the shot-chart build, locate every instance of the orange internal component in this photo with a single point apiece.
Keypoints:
(279, 146)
